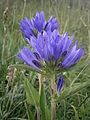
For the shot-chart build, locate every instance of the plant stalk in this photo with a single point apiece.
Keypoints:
(53, 93)
(40, 83)
(38, 113)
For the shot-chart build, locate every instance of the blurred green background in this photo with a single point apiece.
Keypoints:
(74, 17)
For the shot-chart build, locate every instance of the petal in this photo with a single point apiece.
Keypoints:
(26, 27)
(66, 41)
(33, 41)
(36, 63)
(76, 58)
(46, 53)
(73, 56)
(53, 22)
(27, 56)
(37, 56)
(80, 54)
(39, 21)
(71, 61)
(69, 55)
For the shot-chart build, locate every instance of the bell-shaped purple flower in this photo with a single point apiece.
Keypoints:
(30, 58)
(38, 24)
(72, 56)
(26, 27)
(60, 84)
(52, 24)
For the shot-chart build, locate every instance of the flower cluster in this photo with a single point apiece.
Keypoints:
(50, 50)
(38, 24)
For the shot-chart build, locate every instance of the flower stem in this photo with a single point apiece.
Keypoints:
(53, 104)
(40, 83)
(38, 113)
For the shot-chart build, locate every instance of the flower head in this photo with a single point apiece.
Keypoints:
(51, 51)
(38, 24)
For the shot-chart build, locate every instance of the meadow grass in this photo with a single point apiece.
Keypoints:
(74, 17)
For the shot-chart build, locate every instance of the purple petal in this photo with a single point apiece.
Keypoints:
(73, 56)
(69, 55)
(26, 27)
(36, 63)
(39, 21)
(37, 56)
(53, 24)
(76, 57)
(66, 41)
(27, 57)
(60, 84)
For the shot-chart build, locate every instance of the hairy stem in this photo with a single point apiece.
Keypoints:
(53, 104)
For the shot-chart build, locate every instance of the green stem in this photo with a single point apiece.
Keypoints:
(38, 113)
(40, 83)
(53, 104)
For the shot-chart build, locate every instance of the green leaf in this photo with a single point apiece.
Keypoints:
(72, 90)
(45, 112)
(48, 113)
(32, 94)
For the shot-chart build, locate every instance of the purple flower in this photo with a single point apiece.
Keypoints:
(52, 51)
(31, 59)
(73, 56)
(37, 24)
(60, 84)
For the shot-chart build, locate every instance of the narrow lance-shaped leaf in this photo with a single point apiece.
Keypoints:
(31, 93)
(42, 103)
(45, 112)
